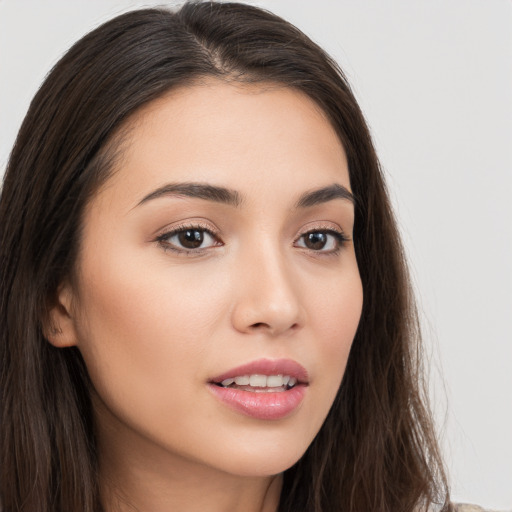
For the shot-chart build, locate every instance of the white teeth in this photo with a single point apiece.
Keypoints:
(274, 381)
(258, 381)
(261, 381)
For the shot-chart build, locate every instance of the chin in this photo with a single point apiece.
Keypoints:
(263, 463)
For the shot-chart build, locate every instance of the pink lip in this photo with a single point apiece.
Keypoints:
(265, 405)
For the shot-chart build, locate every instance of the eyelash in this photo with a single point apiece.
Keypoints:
(340, 239)
(164, 237)
(163, 240)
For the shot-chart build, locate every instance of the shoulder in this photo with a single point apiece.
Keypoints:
(463, 507)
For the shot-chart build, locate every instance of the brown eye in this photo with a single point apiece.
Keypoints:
(327, 241)
(191, 238)
(315, 241)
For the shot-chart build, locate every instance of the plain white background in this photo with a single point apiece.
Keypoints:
(434, 78)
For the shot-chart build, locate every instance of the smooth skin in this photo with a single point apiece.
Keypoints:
(158, 312)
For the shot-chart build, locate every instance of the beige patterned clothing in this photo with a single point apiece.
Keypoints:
(462, 507)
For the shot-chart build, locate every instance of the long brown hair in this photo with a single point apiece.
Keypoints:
(377, 450)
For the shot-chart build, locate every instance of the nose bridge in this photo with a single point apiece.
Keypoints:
(268, 297)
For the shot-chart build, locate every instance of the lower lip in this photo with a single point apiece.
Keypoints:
(262, 406)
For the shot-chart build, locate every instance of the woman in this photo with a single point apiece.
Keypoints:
(204, 298)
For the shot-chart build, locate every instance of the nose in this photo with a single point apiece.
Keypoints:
(267, 297)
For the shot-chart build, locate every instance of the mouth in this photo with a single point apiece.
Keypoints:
(264, 376)
(264, 389)
(257, 383)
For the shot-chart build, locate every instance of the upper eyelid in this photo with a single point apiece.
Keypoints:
(170, 230)
(323, 226)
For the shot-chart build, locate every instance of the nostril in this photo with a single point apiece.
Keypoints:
(265, 327)
(258, 325)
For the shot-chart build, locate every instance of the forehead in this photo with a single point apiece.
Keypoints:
(242, 136)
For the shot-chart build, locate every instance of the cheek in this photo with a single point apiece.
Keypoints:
(140, 293)
(340, 304)
(143, 323)
(336, 318)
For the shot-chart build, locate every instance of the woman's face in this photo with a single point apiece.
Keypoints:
(221, 248)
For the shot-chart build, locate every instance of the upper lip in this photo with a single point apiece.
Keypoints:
(267, 367)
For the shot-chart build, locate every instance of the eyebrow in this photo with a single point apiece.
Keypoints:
(233, 198)
(325, 194)
(196, 190)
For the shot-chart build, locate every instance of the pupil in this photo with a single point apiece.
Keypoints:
(191, 238)
(316, 240)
